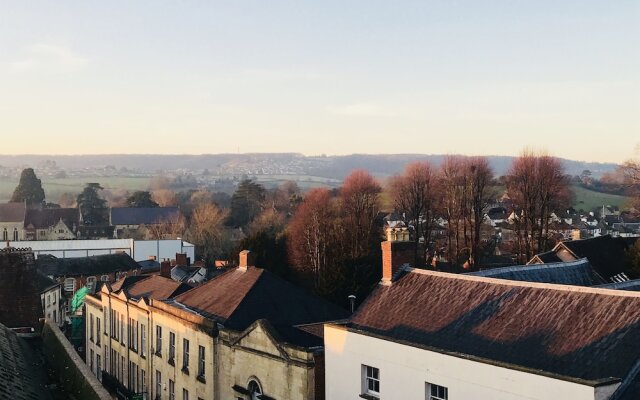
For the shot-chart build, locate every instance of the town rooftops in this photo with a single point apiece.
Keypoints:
(45, 218)
(239, 297)
(22, 374)
(579, 334)
(85, 266)
(578, 273)
(142, 216)
(12, 212)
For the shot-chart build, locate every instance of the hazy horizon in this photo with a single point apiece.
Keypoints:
(339, 78)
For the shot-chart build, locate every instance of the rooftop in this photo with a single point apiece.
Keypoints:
(86, 266)
(12, 212)
(142, 216)
(568, 332)
(238, 298)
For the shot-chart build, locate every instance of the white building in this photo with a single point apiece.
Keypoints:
(436, 336)
(139, 250)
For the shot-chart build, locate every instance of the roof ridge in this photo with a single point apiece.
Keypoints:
(536, 285)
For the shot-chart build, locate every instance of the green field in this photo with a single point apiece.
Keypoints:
(54, 188)
(588, 199)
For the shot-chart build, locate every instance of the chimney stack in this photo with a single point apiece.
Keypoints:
(396, 255)
(165, 269)
(246, 260)
(182, 260)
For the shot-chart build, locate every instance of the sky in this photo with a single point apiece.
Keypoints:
(321, 77)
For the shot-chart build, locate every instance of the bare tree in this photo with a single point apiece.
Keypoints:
(207, 230)
(415, 194)
(360, 199)
(481, 176)
(537, 183)
(172, 227)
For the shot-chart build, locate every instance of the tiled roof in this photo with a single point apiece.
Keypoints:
(12, 212)
(568, 332)
(94, 265)
(45, 218)
(238, 298)
(22, 375)
(577, 273)
(142, 216)
(156, 287)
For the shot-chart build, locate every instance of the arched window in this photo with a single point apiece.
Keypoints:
(254, 389)
(91, 283)
(15, 234)
(5, 235)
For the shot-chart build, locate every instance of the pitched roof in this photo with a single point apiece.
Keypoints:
(12, 212)
(142, 216)
(22, 375)
(93, 265)
(155, 287)
(572, 333)
(578, 273)
(633, 285)
(607, 255)
(45, 218)
(238, 298)
(546, 257)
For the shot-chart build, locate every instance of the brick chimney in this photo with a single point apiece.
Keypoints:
(165, 269)
(182, 259)
(396, 254)
(246, 260)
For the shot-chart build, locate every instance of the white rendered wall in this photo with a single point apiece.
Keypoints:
(139, 250)
(405, 369)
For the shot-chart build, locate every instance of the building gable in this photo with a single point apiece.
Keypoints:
(261, 338)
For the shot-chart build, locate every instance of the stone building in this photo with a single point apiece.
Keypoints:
(245, 334)
(12, 217)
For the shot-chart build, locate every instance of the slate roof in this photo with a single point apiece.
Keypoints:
(86, 266)
(578, 273)
(607, 255)
(155, 287)
(45, 218)
(547, 257)
(577, 334)
(142, 216)
(12, 212)
(238, 298)
(22, 375)
(633, 285)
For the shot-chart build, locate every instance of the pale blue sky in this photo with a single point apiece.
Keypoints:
(334, 77)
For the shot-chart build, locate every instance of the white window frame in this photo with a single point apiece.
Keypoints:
(441, 392)
(70, 282)
(370, 375)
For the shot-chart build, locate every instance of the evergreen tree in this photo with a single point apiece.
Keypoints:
(93, 208)
(29, 189)
(246, 202)
(141, 199)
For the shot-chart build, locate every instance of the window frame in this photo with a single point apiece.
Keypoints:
(438, 396)
(371, 375)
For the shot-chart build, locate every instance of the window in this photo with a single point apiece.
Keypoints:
(55, 295)
(436, 392)
(185, 394)
(122, 328)
(172, 346)
(91, 327)
(254, 389)
(97, 331)
(48, 300)
(104, 314)
(91, 283)
(91, 361)
(158, 340)
(371, 380)
(201, 362)
(70, 285)
(185, 354)
(143, 378)
(143, 340)
(5, 235)
(15, 234)
(104, 278)
(158, 384)
(99, 367)
(172, 390)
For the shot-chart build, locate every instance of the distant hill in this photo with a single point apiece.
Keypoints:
(335, 167)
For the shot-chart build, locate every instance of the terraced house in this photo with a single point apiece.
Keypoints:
(245, 334)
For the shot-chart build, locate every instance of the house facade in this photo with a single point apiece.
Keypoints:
(12, 217)
(431, 335)
(245, 334)
(52, 224)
